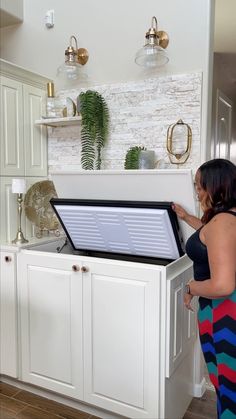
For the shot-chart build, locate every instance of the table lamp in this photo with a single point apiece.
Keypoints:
(18, 187)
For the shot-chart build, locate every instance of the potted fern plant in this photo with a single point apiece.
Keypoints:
(132, 157)
(95, 125)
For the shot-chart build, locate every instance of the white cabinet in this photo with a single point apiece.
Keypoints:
(124, 331)
(122, 338)
(51, 323)
(23, 145)
(8, 315)
(110, 333)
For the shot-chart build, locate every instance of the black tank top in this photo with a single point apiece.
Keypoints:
(197, 251)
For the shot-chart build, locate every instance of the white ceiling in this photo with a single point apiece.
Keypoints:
(225, 26)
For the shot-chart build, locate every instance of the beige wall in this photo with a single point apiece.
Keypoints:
(113, 32)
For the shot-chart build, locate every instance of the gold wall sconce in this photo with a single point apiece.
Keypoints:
(175, 153)
(153, 54)
(74, 58)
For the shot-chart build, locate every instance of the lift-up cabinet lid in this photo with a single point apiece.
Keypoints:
(122, 228)
(169, 185)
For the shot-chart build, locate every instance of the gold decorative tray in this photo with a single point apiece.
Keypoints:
(37, 205)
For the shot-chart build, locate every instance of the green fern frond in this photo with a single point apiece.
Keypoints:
(100, 144)
(95, 126)
(87, 151)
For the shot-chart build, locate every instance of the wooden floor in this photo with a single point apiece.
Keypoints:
(20, 404)
(204, 408)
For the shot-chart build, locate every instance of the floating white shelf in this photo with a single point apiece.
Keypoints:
(59, 122)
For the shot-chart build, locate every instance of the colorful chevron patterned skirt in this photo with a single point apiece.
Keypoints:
(217, 328)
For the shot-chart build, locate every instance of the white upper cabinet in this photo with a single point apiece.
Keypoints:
(34, 137)
(23, 145)
(12, 152)
(11, 12)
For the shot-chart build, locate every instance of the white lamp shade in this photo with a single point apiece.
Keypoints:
(18, 186)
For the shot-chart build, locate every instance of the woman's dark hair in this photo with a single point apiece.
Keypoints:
(218, 179)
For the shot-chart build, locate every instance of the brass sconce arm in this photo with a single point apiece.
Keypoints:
(75, 54)
(155, 37)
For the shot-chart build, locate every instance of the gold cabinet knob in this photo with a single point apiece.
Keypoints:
(84, 269)
(7, 258)
(75, 268)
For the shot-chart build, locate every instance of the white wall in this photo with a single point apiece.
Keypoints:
(140, 114)
(113, 32)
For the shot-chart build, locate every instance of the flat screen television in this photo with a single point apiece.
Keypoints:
(129, 230)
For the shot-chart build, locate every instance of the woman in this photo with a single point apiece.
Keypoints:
(213, 251)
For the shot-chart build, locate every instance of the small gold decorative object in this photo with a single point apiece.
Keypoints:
(38, 208)
(178, 155)
(70, 108)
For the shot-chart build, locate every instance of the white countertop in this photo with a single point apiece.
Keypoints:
(10, 247)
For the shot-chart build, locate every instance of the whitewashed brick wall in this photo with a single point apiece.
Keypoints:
(140, 113)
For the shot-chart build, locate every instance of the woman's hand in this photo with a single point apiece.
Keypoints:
(185, 216)
(187, 301)
(180, 211)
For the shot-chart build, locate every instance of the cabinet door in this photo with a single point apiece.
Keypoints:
(181, 323)
(34, 136)
(12, 146)
(121, 348)
(51, 322)
(8, 316)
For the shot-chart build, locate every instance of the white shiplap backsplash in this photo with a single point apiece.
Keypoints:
(140, 113)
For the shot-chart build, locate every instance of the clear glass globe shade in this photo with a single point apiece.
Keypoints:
(151, 56)
(71, 71)
(70, 75)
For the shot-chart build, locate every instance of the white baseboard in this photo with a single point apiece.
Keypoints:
(199, 389)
